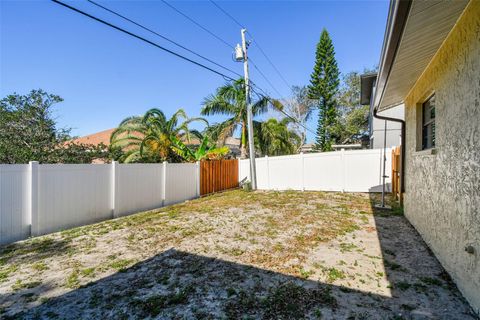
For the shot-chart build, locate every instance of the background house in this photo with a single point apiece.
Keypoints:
(96, 138)
(431, 63)
(103, 137)
(376, 127)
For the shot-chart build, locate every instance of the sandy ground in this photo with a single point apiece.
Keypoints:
(235, 255)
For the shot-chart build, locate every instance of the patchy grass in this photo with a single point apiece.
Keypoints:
(403, 285)
(237, 255)
(88, 272)
(431, 281)
(393, 265)
(72, 281)
(40, 266)
(286, 301)
(6, 271)
(334, 274)
(121, 264)
(19, 285)
(153, 305)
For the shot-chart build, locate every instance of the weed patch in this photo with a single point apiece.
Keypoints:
(153, 305)
(286, 301)
(121, 264)
(20, 285)
(335, 274)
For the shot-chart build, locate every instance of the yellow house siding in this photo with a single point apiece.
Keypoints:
(442, 198)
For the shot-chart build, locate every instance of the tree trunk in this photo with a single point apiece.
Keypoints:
(243, 152)
(243, 142)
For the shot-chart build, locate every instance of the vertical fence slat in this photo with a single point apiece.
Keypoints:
(396, 158)
(218, 175)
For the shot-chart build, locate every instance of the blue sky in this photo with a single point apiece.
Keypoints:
(105, 76)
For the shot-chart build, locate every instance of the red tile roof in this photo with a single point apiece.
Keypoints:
(96, 138)
(104, 137)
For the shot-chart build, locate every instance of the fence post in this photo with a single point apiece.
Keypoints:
(197, 177)
(164, 182)
(113, 188)
(33, 198)
(268, 172)
(343, 168)
(303, 171)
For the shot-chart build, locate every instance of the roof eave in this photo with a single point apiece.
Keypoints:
(397, 18)
(367, 81)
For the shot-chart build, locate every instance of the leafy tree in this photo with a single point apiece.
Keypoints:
(301, 108)
(230, 100)
(205, 150)
(81, 153)
(349, 93)
(274, 138)
(323, 87)
(149, 138)
(353, 117)
(28, 132)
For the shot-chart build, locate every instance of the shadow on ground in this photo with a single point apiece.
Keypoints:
(416, 277)
(182, 285)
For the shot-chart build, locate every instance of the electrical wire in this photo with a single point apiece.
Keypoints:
(163, 37)
(253, 41)
(269, 61)
(266, 96)
(227, 14)
(143, 39)
(264, 77)
(198, 24)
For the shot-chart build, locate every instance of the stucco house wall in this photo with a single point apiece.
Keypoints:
(442, 187)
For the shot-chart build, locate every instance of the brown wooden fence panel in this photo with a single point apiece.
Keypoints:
(218, 175)
(396, 175)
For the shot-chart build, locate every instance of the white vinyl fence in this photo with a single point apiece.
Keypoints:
(349, 171)
(38, 199)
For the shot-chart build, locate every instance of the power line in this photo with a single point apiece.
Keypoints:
(254, 65)
(227, 14)
(198, 24)
(145, 40)
(173, 53)
(265, 95)
(269, 61)
(264, 77)
(163, 37)
(253, 41)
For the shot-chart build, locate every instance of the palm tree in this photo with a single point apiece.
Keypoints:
(149, 138)
(230, 100)
(274, 138)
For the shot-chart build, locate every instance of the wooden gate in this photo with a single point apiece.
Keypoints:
(396, 174)
(218, 175)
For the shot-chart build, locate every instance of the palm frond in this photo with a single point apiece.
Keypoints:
(132, 119)
(155, 113)
(126, 144)
(132, 156)
(213, 105)
(221, 131)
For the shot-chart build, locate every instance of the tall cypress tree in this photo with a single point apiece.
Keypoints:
(324, 83)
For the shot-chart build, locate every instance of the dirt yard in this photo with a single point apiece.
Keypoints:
(235, 255)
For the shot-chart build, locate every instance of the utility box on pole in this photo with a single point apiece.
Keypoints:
(238, 53)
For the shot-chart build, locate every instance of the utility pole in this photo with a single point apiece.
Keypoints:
(251, 147)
